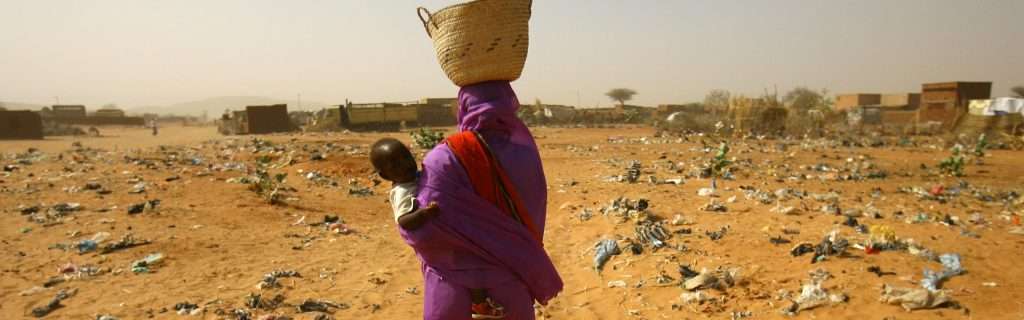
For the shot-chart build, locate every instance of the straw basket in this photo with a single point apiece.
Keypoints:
(482, 40)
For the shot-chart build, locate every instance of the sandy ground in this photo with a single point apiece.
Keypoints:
(219, 238)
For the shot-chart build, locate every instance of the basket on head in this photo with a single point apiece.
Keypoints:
(482, 40)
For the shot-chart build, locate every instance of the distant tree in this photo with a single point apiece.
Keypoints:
(621, 95)
(803, 99)
(1018, 91)
(717, 100)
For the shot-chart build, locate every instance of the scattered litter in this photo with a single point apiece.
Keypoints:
(812, 295)
(778, 240)
(605, 250)
(719, 279)
(270, 279)
(878, 271)
(313, 305)
(696, 297)
(186, 308)
(144, 206)
(145, 265)
(54, 304)
(652, 233)
(714, 206)
(138, 188)
(950, 267)
(86, 246)
(127, 241)
(831, 245)
(913, 299)
(718, 234)
(705, 192)
(617, 284)
(632, 172)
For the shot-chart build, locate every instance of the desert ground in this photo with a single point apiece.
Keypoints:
(219, 239)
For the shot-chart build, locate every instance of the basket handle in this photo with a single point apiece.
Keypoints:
(428, 19)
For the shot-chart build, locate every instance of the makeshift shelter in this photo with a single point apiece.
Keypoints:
(69, 111)
(992, 126)
(377, 116)
(268, 119)
(1007, 105)
(434, 115)
(20, 125)
(851, 100)
(559, 113)
(757, 116)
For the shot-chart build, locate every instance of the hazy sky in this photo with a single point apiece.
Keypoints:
(141, 52)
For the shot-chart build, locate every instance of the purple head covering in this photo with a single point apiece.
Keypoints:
(472, 243)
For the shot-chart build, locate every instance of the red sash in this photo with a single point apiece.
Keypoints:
(489, 179)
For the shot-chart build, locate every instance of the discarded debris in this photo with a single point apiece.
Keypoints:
(605, 250)
(313, 305)
(270, 279)
(717, 234)
(950, 267)
(127, 241)
(652, 233)
(686, 272)
(144, 206)
(186, 308)
(914, 299)
(714, 206)
(719, 279)
(54, 304)
(812, 295)
(144, 265)
(633, 172)
(831, 245)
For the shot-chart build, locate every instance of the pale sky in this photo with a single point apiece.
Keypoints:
(141, 52)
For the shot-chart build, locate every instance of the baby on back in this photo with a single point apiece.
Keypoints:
(394, 162)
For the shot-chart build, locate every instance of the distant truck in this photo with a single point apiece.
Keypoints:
(377, 116)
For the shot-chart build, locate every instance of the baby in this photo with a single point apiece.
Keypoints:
(394, 162)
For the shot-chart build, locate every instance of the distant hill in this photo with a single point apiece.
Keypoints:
(216, 105)
(20, 106)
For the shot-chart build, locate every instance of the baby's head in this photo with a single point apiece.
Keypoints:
(393, 161)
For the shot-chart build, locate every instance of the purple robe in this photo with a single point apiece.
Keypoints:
(472, 243)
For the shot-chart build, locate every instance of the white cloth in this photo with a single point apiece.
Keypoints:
(403, 198)
(1008, 105)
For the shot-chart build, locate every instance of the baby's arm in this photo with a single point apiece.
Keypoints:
(415, 219)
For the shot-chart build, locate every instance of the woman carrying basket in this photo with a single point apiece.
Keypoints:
(487, 180)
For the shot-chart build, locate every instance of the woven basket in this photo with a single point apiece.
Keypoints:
(482, 40)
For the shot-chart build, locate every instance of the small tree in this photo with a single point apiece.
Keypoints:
(621, 95)
(717, 100)
(1018, 91)
(803, 99)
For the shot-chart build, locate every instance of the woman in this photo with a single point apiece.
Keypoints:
(473, 243)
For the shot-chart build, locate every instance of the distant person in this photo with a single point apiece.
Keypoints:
(152, 124)
(395, 163)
